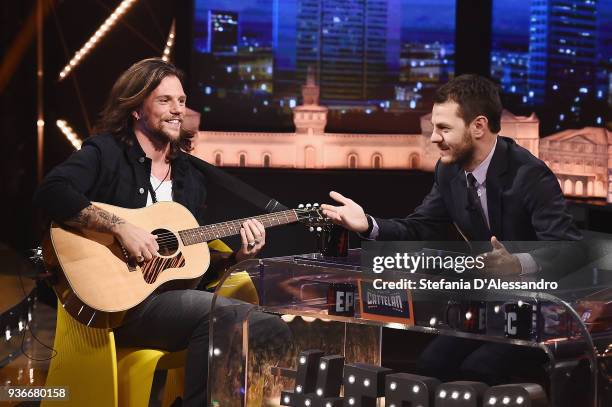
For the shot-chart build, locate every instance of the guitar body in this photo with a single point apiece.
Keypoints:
(95, 280)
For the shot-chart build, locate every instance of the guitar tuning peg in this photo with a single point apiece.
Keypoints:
(311, 229)
(301, 206)
(315, 205)
(308, 206)
(319, 229)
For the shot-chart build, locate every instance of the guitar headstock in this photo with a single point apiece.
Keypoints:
(313, 217)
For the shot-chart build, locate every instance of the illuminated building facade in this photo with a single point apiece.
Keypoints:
(580, 159)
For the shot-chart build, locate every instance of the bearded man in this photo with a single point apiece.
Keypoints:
(488, 186)
(139, 156)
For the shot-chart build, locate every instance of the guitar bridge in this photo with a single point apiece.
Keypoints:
(130, 263)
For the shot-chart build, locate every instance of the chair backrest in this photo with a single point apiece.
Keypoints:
(86, 363)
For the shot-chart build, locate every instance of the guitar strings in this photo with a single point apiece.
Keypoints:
(208, 231)
(170, 240)
(234, 224)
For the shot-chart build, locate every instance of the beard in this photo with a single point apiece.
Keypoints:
(161, 135)
(463, 153)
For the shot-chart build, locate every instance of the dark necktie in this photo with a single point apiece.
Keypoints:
(477, 215)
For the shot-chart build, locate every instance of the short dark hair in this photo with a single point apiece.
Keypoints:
(475, 96)
(128, 94)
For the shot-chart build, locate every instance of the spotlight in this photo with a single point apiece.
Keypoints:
(169, 43)
(329, 378)
(460, 394)
(91, 43)
(288, 318)
(366, 385)
(517, 395)
(72, 137)
(286, 398)
(332, 402)
(306, 375)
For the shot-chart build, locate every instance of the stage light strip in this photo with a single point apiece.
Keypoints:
(69, 133)
(169, 43)
(91, 43)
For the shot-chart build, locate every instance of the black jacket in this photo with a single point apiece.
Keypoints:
(108, 171)
(524, 202)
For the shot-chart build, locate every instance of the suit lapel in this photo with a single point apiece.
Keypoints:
(495, 186)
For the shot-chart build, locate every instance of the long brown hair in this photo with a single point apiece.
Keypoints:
(128, 94)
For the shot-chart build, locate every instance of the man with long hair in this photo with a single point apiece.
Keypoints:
(137, 157)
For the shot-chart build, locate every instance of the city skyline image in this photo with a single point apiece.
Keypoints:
(378, 62)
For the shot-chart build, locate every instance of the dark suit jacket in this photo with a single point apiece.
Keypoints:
(523, 197)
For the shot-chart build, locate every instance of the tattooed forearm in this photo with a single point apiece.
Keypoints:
(95, 218)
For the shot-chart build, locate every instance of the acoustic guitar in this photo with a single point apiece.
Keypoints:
(96, 281)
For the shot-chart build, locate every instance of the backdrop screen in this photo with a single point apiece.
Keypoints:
(554, 57)
(377, 62)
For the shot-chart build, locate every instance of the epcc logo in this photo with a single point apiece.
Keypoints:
(341, 299)
(521, 320)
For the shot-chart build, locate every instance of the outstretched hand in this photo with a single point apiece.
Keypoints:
(348, 215)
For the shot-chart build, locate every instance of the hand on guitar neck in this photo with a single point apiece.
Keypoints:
(139, 244)
(253, 239)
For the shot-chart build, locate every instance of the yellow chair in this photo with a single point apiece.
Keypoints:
(98, 374)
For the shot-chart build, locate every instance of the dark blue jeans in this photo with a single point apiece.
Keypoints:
(177, 320)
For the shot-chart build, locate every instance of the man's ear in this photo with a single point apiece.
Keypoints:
(479, 126)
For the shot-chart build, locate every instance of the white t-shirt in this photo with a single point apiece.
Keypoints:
(163, 192)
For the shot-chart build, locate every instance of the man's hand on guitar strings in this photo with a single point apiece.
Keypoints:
(140, 244)
(253, 239)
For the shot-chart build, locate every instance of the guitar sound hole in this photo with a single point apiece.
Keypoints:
(167, 241)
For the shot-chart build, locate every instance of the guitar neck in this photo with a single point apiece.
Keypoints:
(224, 229)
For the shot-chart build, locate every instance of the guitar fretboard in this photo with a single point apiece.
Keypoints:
(218, 230)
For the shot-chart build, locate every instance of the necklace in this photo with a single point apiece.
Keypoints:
(162, 181)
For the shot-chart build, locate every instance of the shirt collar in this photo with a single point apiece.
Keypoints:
(480, 172)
